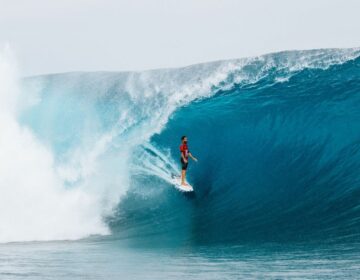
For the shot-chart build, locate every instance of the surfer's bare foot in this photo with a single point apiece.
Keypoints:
(184, 184)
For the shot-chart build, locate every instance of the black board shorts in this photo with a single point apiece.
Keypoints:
(183, 164)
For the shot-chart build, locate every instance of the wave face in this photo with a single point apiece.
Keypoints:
(277, 137)
(278, 160)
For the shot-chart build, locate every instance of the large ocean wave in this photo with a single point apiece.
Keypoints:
(277, 137)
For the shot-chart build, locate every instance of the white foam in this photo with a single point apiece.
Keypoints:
(34, 204)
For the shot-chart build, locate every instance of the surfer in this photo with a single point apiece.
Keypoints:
(185, 154)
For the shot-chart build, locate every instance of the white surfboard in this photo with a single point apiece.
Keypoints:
(177, 184)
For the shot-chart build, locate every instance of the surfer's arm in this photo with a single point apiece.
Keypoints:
(192, 157)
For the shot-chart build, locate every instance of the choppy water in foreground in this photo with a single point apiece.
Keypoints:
(106, 259)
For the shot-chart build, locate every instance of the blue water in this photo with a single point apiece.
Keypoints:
(277, 184)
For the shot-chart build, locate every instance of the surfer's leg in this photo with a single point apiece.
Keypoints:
(183, 172)
(183, 175)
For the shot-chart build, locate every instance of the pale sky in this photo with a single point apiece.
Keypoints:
(51, 36)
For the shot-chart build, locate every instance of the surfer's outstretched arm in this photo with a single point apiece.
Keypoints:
(192, 157)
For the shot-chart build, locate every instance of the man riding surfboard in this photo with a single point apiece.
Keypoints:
(185, 154)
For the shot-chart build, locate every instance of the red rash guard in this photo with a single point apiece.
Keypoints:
(184, 150)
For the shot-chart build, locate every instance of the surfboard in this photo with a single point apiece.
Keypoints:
(176, 180)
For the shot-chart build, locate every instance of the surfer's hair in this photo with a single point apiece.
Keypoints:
(183, 137)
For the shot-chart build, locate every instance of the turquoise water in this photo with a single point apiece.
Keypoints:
(104, 259)
(277, 186)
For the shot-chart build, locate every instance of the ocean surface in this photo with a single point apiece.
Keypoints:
(87, 160)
